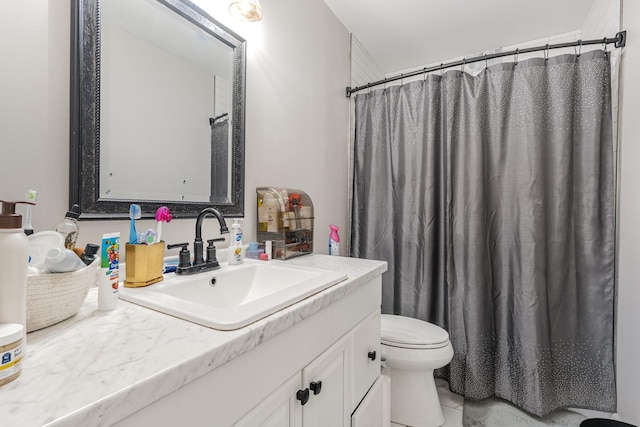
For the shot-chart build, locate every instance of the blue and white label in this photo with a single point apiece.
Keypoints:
(11, 362)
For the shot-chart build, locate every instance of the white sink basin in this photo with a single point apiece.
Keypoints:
(233, 296)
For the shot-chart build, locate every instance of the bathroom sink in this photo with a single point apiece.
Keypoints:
(233, 296)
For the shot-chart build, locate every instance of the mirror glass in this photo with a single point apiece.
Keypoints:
(157, 109)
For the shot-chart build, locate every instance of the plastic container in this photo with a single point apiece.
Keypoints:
(39, 245)
(63, 261)
(254, 251)
(236, 253)
(14, 261)
(11, 351)
(334, 241)
(285, 217)
(69, 227)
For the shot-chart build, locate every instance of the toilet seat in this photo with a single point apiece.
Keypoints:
(409, 333)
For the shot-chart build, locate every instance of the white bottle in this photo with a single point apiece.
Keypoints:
(14, 261)
(63, 260)
(268, 249)
(235, 254)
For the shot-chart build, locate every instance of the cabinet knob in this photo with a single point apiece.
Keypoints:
(316, 387)
(372, 355)
(303, 396)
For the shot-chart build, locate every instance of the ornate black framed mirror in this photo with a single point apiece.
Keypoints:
(157, 109)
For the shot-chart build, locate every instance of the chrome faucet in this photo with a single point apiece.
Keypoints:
(199, 264)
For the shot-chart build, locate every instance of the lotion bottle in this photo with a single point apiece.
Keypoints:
(14, 262)
(236, 255)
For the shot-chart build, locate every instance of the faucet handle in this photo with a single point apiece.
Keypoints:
(184, 258)
(211, 249)
(212, 241)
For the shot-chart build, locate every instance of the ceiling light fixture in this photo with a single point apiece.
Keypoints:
(246, 10)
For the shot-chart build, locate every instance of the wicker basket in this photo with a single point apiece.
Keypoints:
(54, 297)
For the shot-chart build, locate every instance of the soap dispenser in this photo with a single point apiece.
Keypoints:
(14, 261)
(236, 254)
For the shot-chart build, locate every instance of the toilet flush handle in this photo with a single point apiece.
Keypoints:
(372, 355)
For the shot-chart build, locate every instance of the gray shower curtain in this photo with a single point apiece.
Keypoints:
(492, 199)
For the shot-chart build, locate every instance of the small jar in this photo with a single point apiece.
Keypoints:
(11, 351)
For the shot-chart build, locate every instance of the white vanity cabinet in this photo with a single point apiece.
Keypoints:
(329, 361)
(316, 396)
(327, 381)
(370, 413)
(329, 388)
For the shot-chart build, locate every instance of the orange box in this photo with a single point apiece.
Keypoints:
(143, 264)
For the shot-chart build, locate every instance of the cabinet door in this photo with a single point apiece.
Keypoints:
(366, 357)
(328, 383)
(370, 411)
(280, 409)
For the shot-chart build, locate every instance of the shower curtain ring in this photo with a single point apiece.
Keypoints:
(486, 62)
(424, 74)
(516, 55)
(604, 46)
(546, 52)
(401, 79)
(441, 69)
(464, 62)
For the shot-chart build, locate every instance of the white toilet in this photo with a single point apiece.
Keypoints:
(412, 349)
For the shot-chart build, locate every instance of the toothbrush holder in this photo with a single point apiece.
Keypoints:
(143, 264)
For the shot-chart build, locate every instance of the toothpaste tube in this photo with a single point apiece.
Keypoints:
(109, 273)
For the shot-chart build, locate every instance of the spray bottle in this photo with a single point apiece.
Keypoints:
(334, 241)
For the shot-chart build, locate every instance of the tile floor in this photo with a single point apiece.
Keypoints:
(451, 406)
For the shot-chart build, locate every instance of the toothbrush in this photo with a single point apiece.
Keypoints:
(31, 196)
(162, 215)
(134, 213)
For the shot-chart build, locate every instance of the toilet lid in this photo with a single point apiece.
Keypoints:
(406, 332)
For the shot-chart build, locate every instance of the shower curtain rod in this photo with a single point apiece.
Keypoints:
(620, 40)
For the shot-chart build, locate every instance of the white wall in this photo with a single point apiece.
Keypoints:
(628, 337)
(296, 112)
(603, 20)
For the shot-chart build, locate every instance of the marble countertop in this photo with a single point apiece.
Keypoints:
(97, 368)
